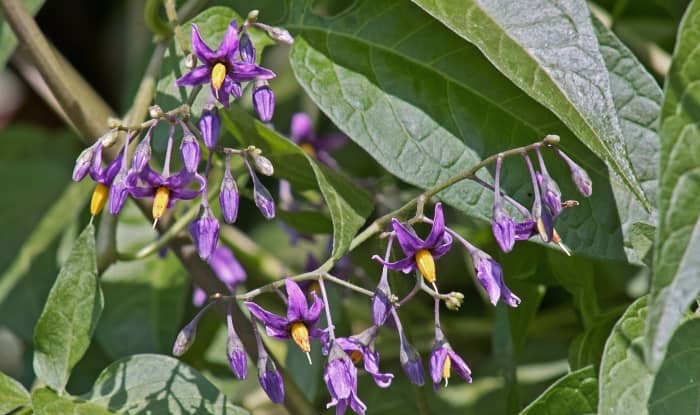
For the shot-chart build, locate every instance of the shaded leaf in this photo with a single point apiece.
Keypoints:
(63, 332)
(149, 383)
(625, 380)
(47, 402)
(13, 394)
(587, 348)
(574, 394)
(675, 280)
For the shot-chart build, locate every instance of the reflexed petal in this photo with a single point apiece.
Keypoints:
(229, 44)
(488, 273)
(223, 94)
(459, 366)
(243, 72)
(356, 404)
(197, 76)
(184, 194)
(227, 267)
(409, 241)
(437, 362)
(201, 49)
(444, 246)
(266, 317)
(438, 228)
(405, 265)
(503, 228)
(96, 165)
(525, 230)
(112, 169)
(314, 312)
(371, 360)
(247, 49)
(301, 127)
(507, 295)
(151, 177)
(297, 307)
(277, 333)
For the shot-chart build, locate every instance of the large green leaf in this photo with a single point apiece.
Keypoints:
(427, 105)
(8, 41)
(150, 383)
(47, 402)
(624, 379)
(62, 334)
(551, 52)
(574, 394)
(676, 389)
(676, 281)
(347, 203)
(13, 394)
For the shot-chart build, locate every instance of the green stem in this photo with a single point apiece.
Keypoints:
(151, 15)
(180, 38)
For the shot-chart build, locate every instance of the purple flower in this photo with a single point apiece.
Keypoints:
(443, 359)
(381, 300)
(226, 267)
(578, 175)
(263, 101)
(104, 177)
(551, 195)
(360, 348)
(490, 276)
(340, 376)
(501, 223)
(221, 68)
(235, 352)
(410, 362)
(166, 190)
(300, 322)
(205, 232)
(210, 125)
(270, 378)
(189, 150)
(420, 254)
(303, 134)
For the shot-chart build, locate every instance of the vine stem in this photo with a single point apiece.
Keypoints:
(329, 319)
(314, 276)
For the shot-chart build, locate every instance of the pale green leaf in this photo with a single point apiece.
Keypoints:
(13, 394)
(574, 394)
(63, 332)
(47, 402)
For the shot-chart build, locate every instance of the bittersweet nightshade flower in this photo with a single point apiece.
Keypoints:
(235, 353)
(360, 348)
(490, 275)
(189, 150)
(210, 125)
(104, 177)
(340, 376)
(301, 321)
(263, 100)
(165, 189)
(541, 215)
(578, 175)
(303, 134)
(420, 254)
(221, 68)
(502, 224)
(205, 232)
(227, 268)
(443, 359)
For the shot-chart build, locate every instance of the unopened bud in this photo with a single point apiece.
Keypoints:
(454, 300)
(246, 48)
(190, 61)
(189, 150)
(253, 15)
(263, 101)
(155, 111)
(263, 164)
(109, 138)
(281, 35)
(185, 338)
(142, 154)
(83, 163)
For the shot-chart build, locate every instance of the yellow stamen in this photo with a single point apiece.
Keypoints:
(426, 264)
(218, 74)
(557, 240)
(446, 369)
(300, 335)
(308, 149)
(99, 199)
(542, 230)
(356, 356)
(160, 202)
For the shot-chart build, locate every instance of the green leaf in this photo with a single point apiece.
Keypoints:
(676, 389)
(587, 348)
(46, 402)
(306, 221)
(150, 383)
(553, 56)
(62, 334)
(625, 381)
(427, 105)
(347, 203)
(675, 280)
(13, 394)
(8, 41)
(145, 303)
(574, 394)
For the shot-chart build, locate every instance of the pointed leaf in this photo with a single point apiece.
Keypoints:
(14, 395)
(574, 394)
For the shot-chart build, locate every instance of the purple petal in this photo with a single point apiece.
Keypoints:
(189, 150)
(371, 363)
(438, 228)
(151, 177)
(201, 49)
(443, 247)
(459, 366)
(266, 317)
(96, 166)
(243, 72)
(229, 44)
(83, 163)
(142, 155)
(197, 76)
(118, 192)
(314, 312)
(503, 228)
(525, 230)
(296, 302)
(247, 49)
(405, 265)
(112, 169)
(330, 142)
(301, 127)
(227, 267)
(410, 243)
(488, 273)
(437, 362)
(278, 333)
(199, 296)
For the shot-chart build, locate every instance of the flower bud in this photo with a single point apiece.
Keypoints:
(228, 196)
(235, 352)
(185, 337)
(270, 378)
(210, 126)
(190, 61)
(189, 149)
(503, 228)
(142, 154)
(155, 111)
(263, 200)
(281, 35)
(205, 233)
(454, 300)
(578, 175)
(246, 48)
(411, 362)
(263, 101)
(236, 90)
(83, 162)
(263, 164)
(551, 195)
(253, 15)
(119, 191)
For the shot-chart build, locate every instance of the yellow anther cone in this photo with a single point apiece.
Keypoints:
(218, 74)
(99, 199)
(300, 335)
(426, 264)
(160, 202)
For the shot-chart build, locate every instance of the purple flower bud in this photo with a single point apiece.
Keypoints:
(551, 195)
(263, 198)
(189, 149)
(205, 233)
(236, 90)
(411, 363)
(270, 378)
(490, 276)
(578, 175)
(210, 126)
(263, 101)
(246, 48)
(503, 228)
(142, 154)
(83, 163)
(235, 352)
(119, 190)
(228, 196)
(381, 301)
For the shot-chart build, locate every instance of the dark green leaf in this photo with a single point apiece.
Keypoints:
(552, 55)
(676, 281)
(348, 204)
(46, 402)
(574, 394)
(625, 380)
(307, 221)
(428, 105)
(62, 334)
(8, 41)
(157, 384)
(13, 394)
(587, 348)
(676, 389)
